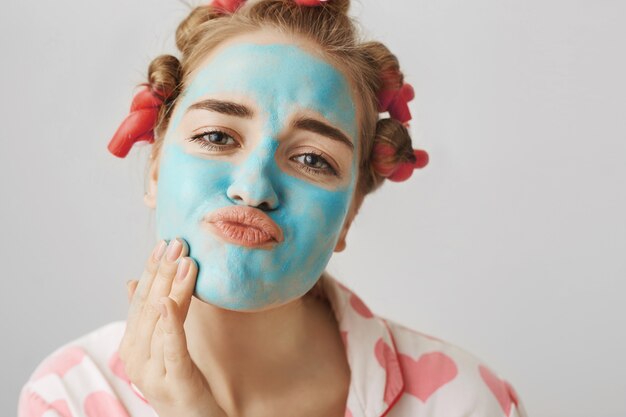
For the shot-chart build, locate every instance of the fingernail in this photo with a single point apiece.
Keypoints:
(183, 268)
(159, 250)
(174, 249)
(163, 309)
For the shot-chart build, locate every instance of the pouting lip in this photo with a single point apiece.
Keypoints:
(244, 216)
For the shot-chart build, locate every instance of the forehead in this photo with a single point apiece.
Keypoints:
(280, 79)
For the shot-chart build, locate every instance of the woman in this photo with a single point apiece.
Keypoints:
(266, 138)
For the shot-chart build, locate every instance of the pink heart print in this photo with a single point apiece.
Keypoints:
(41, 407)
(424, 376)
(502, 390)
(359, 306)
(117, 367)
(388, 360)
(61, 363)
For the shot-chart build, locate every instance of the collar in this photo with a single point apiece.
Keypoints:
(376, 382)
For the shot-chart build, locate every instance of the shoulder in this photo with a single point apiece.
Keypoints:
(447, 379)
(82, 377)
(400, 372)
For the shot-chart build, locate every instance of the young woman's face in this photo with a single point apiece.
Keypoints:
(268, 126)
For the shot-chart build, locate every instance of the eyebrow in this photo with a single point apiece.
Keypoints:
(224, 107)
(316, 126)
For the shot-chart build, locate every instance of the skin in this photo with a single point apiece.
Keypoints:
(181, 351)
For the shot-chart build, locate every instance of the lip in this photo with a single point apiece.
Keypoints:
(245, 226)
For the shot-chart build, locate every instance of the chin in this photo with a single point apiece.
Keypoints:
(246, 294)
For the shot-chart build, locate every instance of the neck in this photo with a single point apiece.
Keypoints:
(247, 357)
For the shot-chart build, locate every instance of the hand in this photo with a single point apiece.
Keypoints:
(154, 346)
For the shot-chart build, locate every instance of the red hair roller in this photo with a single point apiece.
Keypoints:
(139, 124)
(231, 6)
(404, 170)
(396, 102)
(396, 172)
(227, 6)
(310, 2)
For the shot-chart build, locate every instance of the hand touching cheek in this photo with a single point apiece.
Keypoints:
(154, 346)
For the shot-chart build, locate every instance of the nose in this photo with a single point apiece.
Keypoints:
(253, 182)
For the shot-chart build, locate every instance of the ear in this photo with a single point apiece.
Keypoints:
(341, 243)
(150, 196)
(352, 212)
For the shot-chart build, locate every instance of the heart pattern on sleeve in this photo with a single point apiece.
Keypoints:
(424, 376)
(60, 363)
(502, 390)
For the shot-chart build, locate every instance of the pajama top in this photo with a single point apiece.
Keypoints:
(395, 372)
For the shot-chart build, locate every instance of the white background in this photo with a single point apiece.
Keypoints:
(511, 243)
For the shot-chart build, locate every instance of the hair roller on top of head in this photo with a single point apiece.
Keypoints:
(139, 124)
(227, 6)
(310, 2)
(231, 6)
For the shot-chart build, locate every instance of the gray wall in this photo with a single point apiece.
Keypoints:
(510, 244)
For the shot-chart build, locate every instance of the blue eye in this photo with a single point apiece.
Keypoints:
(213, 139)
(315, 163)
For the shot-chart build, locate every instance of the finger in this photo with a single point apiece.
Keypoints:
(131, 286)
(176, 250)
(176, 357)
(184, 284)
(156, 343)
(140, 294)
(160, 288)
(182, 288)
(146, 280)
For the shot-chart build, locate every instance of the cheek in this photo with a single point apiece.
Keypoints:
(188, 185)
(317, 215)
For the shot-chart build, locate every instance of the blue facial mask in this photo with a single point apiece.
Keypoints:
(279, 79)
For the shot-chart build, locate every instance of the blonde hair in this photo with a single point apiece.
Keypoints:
(369, 66)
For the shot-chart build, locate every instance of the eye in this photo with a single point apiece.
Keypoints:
(213, 139)
(315, 163)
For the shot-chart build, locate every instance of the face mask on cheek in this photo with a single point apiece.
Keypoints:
(310, 216)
